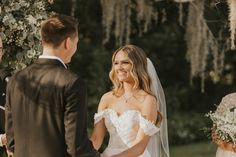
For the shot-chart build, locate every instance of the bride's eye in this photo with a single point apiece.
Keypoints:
(115, 63)
(126, 62)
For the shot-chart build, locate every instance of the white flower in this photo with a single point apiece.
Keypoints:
(31, 19)
(225, 124)
(20, 32)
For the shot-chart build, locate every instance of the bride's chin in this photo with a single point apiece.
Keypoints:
(121, 79)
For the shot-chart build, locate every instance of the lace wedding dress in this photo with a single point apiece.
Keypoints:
(123, 129)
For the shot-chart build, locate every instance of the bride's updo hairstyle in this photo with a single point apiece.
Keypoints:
(139, 73)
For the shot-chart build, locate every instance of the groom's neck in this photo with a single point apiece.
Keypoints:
(52, 51)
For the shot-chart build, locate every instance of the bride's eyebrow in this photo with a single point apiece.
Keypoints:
(124, 60)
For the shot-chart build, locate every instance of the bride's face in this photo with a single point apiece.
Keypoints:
(123, 66)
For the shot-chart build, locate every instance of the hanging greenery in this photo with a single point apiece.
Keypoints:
(73, 9)
(232, 21)
(201, 43)
(107, 17)
(19, 25)
(117, 14)
(20, 21)
(145, 14)
(203, 48)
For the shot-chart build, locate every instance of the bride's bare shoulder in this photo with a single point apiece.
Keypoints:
(149, 101)
(108, 96)
(106, 100)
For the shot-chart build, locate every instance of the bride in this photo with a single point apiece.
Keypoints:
(134, 112)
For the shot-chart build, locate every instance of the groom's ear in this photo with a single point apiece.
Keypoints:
(66, 43)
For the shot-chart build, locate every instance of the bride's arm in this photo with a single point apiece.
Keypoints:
(98, 134)
(149, 110)
(99, 130)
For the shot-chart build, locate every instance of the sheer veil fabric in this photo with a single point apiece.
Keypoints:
(158, 145)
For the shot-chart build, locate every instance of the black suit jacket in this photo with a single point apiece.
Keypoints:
(2, 113)
(46, 113)
(2, 103)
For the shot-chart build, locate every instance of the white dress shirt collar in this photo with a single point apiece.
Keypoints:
(53, 57)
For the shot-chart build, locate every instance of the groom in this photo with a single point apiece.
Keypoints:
(4, 74)
(46, 103)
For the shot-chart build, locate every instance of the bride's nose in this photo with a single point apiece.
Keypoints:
(119, 66)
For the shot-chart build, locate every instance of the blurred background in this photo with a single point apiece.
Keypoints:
(188, 42)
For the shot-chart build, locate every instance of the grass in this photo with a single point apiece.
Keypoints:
(203, 149)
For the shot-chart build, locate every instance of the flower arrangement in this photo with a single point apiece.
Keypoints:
(224, 120)
(224, 125)
(19, 25)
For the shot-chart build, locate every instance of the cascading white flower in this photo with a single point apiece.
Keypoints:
(19, 25)
(224, 119)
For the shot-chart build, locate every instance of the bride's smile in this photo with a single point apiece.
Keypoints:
(123, 67)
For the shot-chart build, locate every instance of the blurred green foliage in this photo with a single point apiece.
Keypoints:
(165, 45)
(202, 149)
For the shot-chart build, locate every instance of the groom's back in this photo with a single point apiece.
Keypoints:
(46, 103)
(37, 100)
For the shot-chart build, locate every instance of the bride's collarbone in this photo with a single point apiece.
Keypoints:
(120, 107)
(133, 99)
(121, 104)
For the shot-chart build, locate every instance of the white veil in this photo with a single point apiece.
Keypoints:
(158, 145)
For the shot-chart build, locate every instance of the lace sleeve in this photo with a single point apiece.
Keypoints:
(98, 116)
(148, 127)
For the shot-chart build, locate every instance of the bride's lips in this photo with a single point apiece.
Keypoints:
(121, 73)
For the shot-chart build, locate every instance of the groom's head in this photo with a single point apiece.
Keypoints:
(60, 32)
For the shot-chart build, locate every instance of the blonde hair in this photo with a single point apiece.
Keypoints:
(139, 70)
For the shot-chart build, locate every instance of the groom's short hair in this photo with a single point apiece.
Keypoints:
(57, 28)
